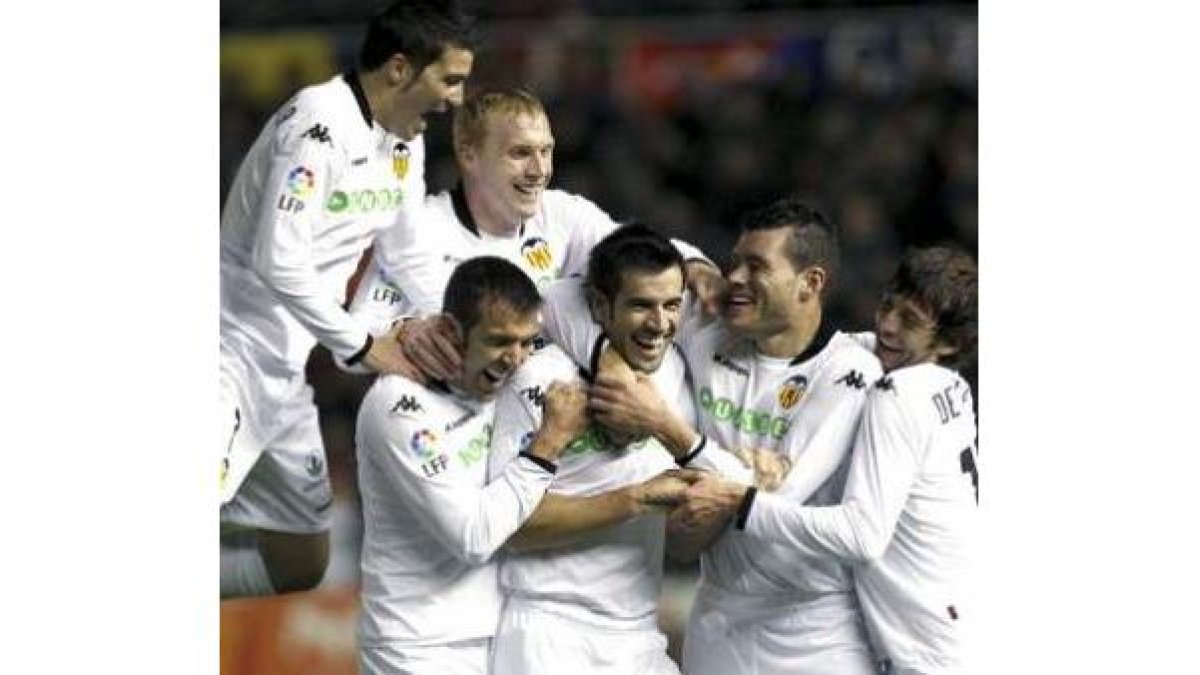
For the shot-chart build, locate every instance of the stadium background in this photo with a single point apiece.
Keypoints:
(679, 113)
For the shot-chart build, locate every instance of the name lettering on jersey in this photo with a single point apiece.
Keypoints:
(852, 379)
(301, 181)
(407, 404)
(364, 201)
(400, 153)
(758, 422)
(944, 401)
(535, 395)
(792, 391)
(318, 133)
(731, 364)
(536, 252)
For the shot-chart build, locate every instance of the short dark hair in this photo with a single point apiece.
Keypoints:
(813, 238)
(420, 30)
(944, 281)
(633, 247)
(486, 279)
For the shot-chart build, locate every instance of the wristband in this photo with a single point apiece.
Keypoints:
(743, 512)
(360, 354)
(693, 451)
(546, 464)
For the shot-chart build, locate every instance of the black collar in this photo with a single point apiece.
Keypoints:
(824, 333)
(360, 96)
(458, 199)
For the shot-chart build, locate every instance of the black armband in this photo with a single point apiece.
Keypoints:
(360, 354)
(546, 464)
(743, 512)
(691, 454)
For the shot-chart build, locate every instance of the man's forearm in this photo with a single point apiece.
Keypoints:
(562, 519)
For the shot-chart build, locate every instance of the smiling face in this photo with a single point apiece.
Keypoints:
(437, 87)
(507, 173)
(641, 319)
(906, 334)
(496, 346)
(764, 288)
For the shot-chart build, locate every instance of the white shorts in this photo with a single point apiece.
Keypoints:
(273, 473)
(824, 636)
(466, 657)
(536, 642)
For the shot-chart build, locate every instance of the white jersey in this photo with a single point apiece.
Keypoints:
(317, 185)
(609, 578)
(554, 244)
(908, 513)
(432, 520)
(805, 408)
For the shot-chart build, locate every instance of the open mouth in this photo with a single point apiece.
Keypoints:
(531, 191)
(649, 343)
(739, 299)
(495, 374)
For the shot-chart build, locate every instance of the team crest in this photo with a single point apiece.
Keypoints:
(400, 155)
(536, 252)
(792, 391)
(424, 442)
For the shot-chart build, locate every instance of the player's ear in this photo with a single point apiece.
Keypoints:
(597, 303)
(400, 71)
(943, 349)
(812, 282)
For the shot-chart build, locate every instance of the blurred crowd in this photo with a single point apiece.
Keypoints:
(683, 120)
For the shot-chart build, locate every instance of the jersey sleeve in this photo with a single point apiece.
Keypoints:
(820, 437)
(889, 449)
(519, 405)
(586, 224)
(299, 176)
(471, 521)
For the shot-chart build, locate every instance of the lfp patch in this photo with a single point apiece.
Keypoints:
(792, 391)
(424, 442)
(537, 253)
(300, 181)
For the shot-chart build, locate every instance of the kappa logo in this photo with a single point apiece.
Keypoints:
(407, 404)
(852, 379)
(318, 133)
(314, 465)
(730, 364)
(885, 384)
(536, 252)
(535, 395)
(792, 391)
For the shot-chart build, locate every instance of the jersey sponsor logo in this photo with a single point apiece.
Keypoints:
(364, 201)
(758, 422)
(476, 448)
(852, 379)
(595, 439)
(731, 364)
(536, 252)
(300, 181)
(424, 442)
(792, 391)
(318, 133)
(400, 154)
(407, 404)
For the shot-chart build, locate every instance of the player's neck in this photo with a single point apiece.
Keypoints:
(485, 220)
(796, 337)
